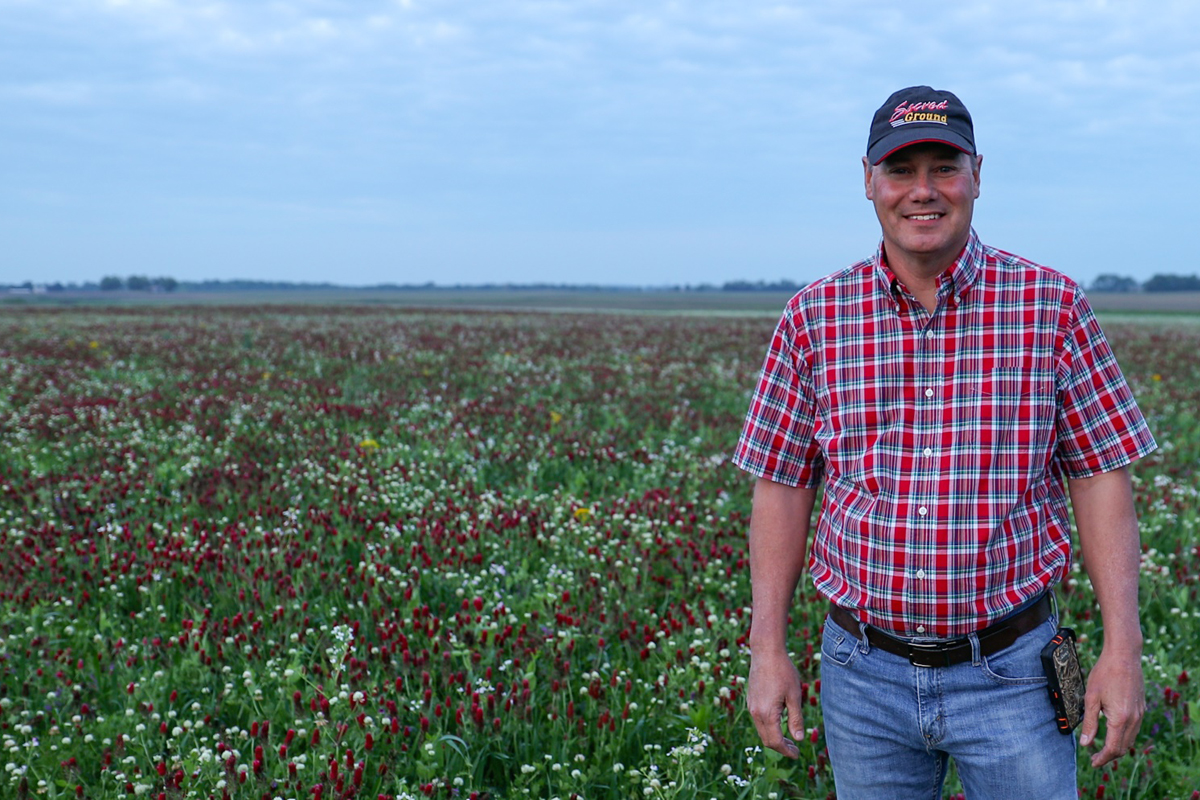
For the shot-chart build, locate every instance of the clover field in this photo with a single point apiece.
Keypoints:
(302, 552)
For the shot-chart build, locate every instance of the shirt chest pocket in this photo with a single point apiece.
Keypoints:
(1017, 408)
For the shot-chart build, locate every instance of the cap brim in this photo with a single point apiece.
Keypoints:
(898, 140)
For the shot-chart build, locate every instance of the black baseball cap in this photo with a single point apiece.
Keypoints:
(920, 114)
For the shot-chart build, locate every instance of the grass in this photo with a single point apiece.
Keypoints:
(630, 301)
(302, 551)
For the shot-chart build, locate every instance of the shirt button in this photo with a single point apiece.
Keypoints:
(929, 392)
(928, 334)
(920, 573)
(920, 629)
(928, 451)
(922, 511)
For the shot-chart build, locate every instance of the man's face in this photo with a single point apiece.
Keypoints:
(924, 196)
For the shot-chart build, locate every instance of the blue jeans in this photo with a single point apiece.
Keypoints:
(892, 727)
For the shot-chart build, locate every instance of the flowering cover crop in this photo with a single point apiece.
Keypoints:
(361, 553)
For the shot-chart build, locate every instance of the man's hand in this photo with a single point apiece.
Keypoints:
(779, 522)
(773, 685)
(1116, 689)
(1108, 535)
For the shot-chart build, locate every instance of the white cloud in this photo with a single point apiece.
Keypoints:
(589, 113)
(53, 93)
(98, 93)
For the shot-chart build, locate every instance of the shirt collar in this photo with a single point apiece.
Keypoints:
(958, 278)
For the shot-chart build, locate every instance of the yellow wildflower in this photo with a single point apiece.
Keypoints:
(555, 417)
(93, 344)
(583, 514)
(1156, 377)
(369, 444)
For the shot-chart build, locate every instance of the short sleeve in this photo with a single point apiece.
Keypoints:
(777, 440)
(1099, 426)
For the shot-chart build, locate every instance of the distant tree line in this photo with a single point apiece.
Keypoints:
(141, 283)
(761, 286)
(1161, 282)
(138, 283)
(1107, 282)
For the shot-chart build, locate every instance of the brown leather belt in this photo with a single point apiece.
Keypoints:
(943, 653)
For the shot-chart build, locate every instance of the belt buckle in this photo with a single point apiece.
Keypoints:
(929, 654)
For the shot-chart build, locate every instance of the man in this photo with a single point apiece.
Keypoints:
(941, 392)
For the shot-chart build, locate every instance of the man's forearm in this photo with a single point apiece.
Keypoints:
(779, 526)
(1108, 536)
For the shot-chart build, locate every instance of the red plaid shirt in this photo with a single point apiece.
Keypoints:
(942, 438)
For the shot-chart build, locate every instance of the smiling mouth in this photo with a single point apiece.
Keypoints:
(924, 216)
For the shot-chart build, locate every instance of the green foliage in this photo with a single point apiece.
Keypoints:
(248, 553)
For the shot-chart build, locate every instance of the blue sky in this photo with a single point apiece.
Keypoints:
(642, 142)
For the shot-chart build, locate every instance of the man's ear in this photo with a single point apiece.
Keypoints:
(978, 159)
(867, 179)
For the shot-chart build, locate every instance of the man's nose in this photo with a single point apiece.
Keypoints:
(923, 188)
